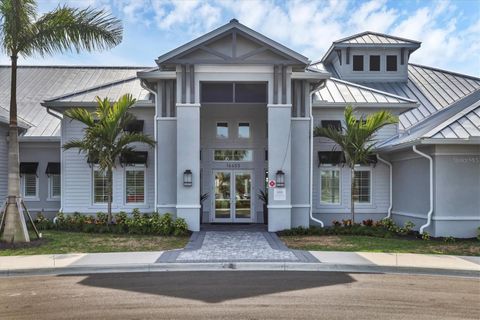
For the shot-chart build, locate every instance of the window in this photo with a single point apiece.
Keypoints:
(374, 63)
(251, 93)
(222, 130)
(357, 63)
(30, 186)
(217, 92)
(233, 155)
(334, 124)
(391, 63)
(230, 92)
(362, 185)
(134, 126)
(244, 130)
(135, 184)
(100, 186)
(330, 186)
(54, 183)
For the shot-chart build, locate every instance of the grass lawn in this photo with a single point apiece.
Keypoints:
(469, 247)
(76, 242)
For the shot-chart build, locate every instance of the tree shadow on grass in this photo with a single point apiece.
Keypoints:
(215, 287)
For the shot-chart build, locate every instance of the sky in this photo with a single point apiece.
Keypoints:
(449, 30)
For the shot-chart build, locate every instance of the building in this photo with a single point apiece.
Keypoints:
(234, 109)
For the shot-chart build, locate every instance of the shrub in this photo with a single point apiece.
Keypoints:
(368, 223)
(336, 223)
(449, 239)
(121, 218)
(166, 224)
(42, 223)
(180, 227)
(347, 223)
(102, 218)
(426, 236)
(478, 233)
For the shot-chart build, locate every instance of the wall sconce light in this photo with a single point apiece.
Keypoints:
(280, 179)
(187, 178)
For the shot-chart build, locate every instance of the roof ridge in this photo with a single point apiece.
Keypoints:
(443, 70)
(377, 34)
(374, 90)
(59, 66)
(104, 85)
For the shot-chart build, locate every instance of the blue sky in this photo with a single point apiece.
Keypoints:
(449, 30)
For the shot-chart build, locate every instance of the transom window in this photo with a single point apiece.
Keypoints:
(233, 92)
(100, 191)
(330, 186)
(135, 184)
(54, 186)
(233, 155)
(222, 130)
(334, 124)
(375, 63)
(357, 63)
(391, 63)
(362, 186)
(30, 186)
(244, 130)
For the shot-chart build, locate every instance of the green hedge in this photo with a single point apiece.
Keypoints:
(384, 229)
(136, 223)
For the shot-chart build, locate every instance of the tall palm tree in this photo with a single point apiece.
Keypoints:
(23, 33)
(105, 139)
(356, 140)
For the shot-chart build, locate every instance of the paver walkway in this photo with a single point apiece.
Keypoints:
(232, 246)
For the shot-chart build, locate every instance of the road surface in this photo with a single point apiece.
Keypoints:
(240, 295)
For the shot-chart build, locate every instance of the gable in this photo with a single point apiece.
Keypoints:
(233, 43)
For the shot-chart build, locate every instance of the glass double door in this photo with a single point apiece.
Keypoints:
(233, 196)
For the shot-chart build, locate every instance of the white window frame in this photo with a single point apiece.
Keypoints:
(234, 149)
(249, 130)
(228, 130)
(136, 167)
(96, 168)
(330, 168)
(360, 168)
(22, 181)
(51, 197)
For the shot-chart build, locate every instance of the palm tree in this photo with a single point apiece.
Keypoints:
(23, 33)
(105, 139)
(356, 139)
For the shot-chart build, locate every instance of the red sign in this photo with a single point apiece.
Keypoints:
(272, 183)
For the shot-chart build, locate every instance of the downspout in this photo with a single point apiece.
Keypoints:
(322, 85)
(144, 86)
(389, 164)
(56, 115)
(430, 212)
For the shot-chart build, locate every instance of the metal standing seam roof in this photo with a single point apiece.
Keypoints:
(434, 89)
(342, 92)
(370, 37)
(461, 120)
(112, 90)
(39, 83)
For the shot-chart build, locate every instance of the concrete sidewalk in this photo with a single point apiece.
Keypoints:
(328, 261)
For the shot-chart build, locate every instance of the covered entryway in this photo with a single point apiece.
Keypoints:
(232, 201)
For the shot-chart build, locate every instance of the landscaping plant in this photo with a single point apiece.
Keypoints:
(356, 140)
(24, 33)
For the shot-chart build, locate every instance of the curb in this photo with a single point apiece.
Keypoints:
(236, 266)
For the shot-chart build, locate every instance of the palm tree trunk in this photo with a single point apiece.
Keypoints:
(110, 188)
(352, 200)
(15, 227)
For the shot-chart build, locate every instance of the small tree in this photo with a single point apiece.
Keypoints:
(105, 139)
(24, 33)
(356, 140)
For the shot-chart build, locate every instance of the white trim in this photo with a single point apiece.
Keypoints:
(279, 206)
(300, 119)
(188, 105)
(363, 168)
(306, 205)
(173, 205)
(435, 218)
(279, 105)
(216, 130)
(188, 206)
(166, 118)
(330, 168)
(135, 168)
(30, 198)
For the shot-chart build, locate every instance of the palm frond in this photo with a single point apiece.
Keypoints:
(16, 20)
(82, 115)
(67, 29)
